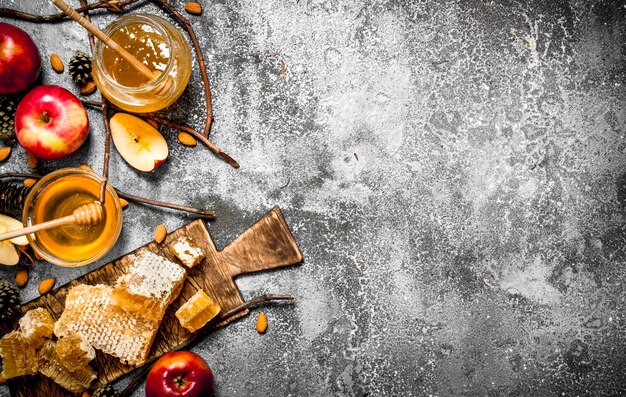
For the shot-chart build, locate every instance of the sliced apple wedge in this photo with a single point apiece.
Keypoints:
(13, 224)
(140, 144)
(8, 254)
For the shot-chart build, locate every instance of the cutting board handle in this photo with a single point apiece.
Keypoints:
(268, 244)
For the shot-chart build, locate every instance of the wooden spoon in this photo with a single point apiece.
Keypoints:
(90, 214)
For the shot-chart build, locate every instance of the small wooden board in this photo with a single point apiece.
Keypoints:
(268, 244)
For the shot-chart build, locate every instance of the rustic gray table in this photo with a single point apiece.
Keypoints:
(454, 172)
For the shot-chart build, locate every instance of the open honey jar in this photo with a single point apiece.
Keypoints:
(159, 46)
(57, 195)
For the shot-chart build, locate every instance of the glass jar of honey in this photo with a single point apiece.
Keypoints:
(158, 45)
(57, 195)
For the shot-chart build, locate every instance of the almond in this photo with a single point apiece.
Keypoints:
(193, 8)
(21, 277)
(33, 161)
(261, 323)
(4, 153)
(88, 88)
(57, 63)
(28, 182)
(86, 394)
(2, 380)
(46, 285)
(123, 203)
(186, 139)
(85, 167)
(159, 234)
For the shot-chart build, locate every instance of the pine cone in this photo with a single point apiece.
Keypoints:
(12, 196)
(106, 391)
(7, 120)
(80, 68)
(9, 299)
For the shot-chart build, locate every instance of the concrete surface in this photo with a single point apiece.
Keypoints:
(452, 170)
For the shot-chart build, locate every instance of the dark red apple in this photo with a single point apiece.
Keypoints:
(50, 122)
(180, 374)
(19, 59)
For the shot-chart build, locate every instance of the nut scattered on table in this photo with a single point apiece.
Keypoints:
(57, 63)
(159, 233)
(4, 153)
(88, 88)
(28, 182)
(261, 323)
(186, 139)
(85, 167)
(123, 203)
(46, 285)
(193, 8)
(21, 277)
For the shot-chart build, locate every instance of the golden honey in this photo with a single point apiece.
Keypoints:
(59, 195)
(158, 45)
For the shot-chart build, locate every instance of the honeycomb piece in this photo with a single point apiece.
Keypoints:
(37, 325)
(18, 356)
(74, 351)
(197, 311)
(50, 366)
(151, 284)
(88, 313)
(185, 249)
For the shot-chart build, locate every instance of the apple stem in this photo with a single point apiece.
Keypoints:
(45, 117)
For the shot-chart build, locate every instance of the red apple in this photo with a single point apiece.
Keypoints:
(19, 59)
(50, 122)
(180, 374)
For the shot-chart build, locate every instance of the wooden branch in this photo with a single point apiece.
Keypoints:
(201, 334)
(83, 4)
(130, 197)
(142, 200)
(201, 63)
(117, 8)
(107, 148)
(169, 123)
(107, 127)
(197, 135)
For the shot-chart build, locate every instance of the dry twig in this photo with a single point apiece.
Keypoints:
(203, 70)
(116, 7)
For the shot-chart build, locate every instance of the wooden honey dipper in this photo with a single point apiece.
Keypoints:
(134, 62)
(90, 214)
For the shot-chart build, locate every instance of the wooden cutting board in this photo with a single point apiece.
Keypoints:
(268, 244)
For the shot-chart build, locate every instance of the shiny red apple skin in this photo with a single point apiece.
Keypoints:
(20, 61)
(50, 122)
(195, 375)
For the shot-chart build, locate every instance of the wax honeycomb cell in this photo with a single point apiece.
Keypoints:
(88, 313)
(197, 311)
(74, 351)
(36, 326)
(50, 366)
(151, 284)
(18, 356)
